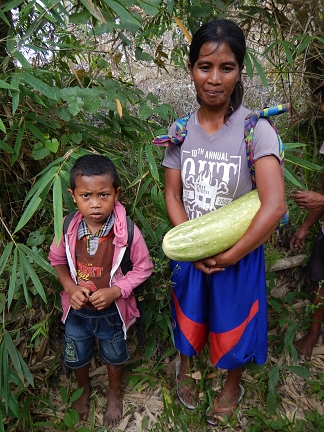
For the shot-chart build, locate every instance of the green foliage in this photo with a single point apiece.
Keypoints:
(67, 88)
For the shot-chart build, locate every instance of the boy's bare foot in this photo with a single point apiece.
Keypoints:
(114, 408)
(82, 404)
(305, 345)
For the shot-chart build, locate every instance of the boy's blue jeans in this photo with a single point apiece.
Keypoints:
(81, 329)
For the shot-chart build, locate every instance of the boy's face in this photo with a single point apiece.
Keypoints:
(95, 198)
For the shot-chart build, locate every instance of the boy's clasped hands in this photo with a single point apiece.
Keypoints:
(100, 299)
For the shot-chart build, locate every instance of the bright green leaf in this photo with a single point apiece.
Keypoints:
(13, 354)
(299, 370)
(2, 127)
(28, 213)
(34, 256)
(38, 85)
(32, 274)
(151, 161)
(58, 209)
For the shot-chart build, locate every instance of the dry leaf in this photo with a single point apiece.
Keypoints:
(119, 108)
(183, 28)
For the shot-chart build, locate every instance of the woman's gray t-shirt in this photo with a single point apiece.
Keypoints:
(214, 168)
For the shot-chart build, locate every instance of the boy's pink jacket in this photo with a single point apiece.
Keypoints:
(64, 253)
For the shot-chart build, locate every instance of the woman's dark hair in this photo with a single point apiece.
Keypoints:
(93, 165)
(222, 31)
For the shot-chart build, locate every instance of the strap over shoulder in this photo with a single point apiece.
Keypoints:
(180, 134)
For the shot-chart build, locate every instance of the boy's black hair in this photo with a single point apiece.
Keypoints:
(93, 165)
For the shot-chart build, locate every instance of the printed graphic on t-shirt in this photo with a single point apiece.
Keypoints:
(210, 180)
(87, 271)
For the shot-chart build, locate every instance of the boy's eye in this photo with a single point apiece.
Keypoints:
(85, 195)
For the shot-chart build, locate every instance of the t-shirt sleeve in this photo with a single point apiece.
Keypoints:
(172, 155)
(265, 140)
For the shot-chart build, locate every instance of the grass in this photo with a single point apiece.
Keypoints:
(282, 395)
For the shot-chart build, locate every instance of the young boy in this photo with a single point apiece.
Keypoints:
(98, 299)
(314, 202)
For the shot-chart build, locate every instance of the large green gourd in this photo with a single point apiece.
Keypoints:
(212, 233)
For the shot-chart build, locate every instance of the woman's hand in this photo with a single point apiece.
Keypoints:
(213, 264)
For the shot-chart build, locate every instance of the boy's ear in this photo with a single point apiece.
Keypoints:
(118, 190)
(72, 194)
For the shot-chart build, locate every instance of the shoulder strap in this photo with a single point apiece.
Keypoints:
(126, 264)
(180, 134)
(249, 125)
(67, 221)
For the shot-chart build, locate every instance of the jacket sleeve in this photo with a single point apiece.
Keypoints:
(142, 265)
(57, 254)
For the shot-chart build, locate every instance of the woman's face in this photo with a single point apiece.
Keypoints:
(215, 74)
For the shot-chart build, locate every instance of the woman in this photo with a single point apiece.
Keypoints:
(223, 297)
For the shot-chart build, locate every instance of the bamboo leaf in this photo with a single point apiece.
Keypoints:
(291, 177)
(4, 18)
(4, 376)
(5, 85)
(289, 57)
(43, 182)
(58, 209)
(2, 127)
(13, 279)
(33, 256)
(303, 163)
(28, 213)
(293, 146)
(15, 80)
(22, 59)
(145, 224)
(22, 271)
(32, 274)
(5, 255)
(18, 142)
(5, 147)
(151, 162)
(142, 190)
(304, 44)
(26, 372)
(299, 370)
(122, 12)
(38, 85)
(94, 10)
(259, 69)
(12, 351)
